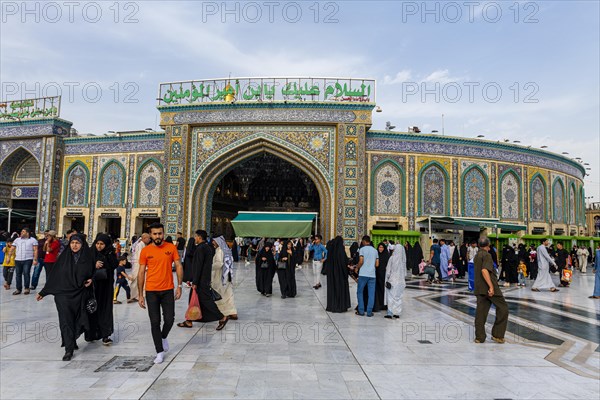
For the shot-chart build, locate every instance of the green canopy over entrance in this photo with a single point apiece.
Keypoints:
(273, 224)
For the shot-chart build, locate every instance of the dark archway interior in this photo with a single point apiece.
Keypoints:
(20, 170)
(262, 183)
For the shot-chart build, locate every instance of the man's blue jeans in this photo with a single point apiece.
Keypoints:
(370, 283)
(37, 271)
(23, 269)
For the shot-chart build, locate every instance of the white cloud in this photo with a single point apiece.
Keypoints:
(442, 76)
(400, 77)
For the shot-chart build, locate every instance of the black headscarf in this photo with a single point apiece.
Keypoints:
(384, 256)
(107, 255)
(71, 270)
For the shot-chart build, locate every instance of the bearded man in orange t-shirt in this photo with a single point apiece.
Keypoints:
(156, 277)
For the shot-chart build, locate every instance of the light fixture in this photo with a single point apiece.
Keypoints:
(434, 131)
(378, 109)
(544, 147)
(565, 152)
(480, 136)
(516, 141)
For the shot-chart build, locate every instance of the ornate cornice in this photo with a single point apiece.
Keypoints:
(485, 149)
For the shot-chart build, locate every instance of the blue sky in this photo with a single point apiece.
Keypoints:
(549, 50)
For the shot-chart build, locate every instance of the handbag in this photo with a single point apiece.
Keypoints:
(422, 267)
(281, 265)
(91, 305)
(193, 312)
(214, 294)
(567, 275)
(264, 265)
(553, 269)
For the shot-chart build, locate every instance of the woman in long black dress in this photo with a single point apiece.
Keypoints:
(338, 289)
(67, 282)
(105, 263)
(266, 271)
(384, 256)
(417, 257)
(287, 275)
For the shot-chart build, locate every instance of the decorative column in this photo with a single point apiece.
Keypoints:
(351, 182)
(412, 191)
(176, 149)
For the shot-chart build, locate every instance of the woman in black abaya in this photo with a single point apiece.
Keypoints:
(105, 263)
(384, 256)
(67, 282)
(417, 257)
(327, 262)
(409, 257)
(338, 289)
(264, 276)
(287, 276)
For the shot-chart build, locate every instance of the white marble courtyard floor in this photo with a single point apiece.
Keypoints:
(293, 348)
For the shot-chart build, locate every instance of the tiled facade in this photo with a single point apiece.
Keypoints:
(362, 176)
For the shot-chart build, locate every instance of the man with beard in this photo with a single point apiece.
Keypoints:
(158, 258)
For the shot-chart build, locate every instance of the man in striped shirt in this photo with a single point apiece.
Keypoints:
(26, 255)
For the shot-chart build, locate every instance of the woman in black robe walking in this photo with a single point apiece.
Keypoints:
(188, 258)
(287, 275)
(417, 257)
(67, 282)
(384, 257)
(266, 271)
(202, 271)
(105, 263)
(338, 289)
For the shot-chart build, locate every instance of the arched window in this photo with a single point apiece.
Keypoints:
(572, 206)
(388, 189)
(558, 201)
(474, 193)
(77, 186)
(149, 184)
(510, 196)
(112, 185)
(433, 188)
(538, 198)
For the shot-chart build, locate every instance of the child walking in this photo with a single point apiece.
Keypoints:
(122, 280)
(8, 266)
(522, 274)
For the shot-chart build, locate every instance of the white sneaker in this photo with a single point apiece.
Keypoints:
(165, 343)
(160, 357)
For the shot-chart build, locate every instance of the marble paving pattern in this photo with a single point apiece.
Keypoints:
(294, 349)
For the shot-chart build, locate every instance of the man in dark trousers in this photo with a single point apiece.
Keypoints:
(560, 257)
(488, 293)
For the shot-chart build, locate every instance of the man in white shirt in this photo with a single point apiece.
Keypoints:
(136, 249)
(26, 255)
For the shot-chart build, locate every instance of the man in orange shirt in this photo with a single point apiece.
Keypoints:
(156, 275)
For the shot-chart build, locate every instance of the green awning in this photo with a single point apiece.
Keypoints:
(273, 225)
(482, 223)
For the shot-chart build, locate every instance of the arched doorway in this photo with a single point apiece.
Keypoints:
(264, 182)
(19, 188)
(200, 215)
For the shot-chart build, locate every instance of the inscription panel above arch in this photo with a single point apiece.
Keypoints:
(315, 143)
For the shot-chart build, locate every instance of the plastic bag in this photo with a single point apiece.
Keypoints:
(193, 312)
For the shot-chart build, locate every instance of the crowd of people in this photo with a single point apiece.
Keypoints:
(86, 281)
